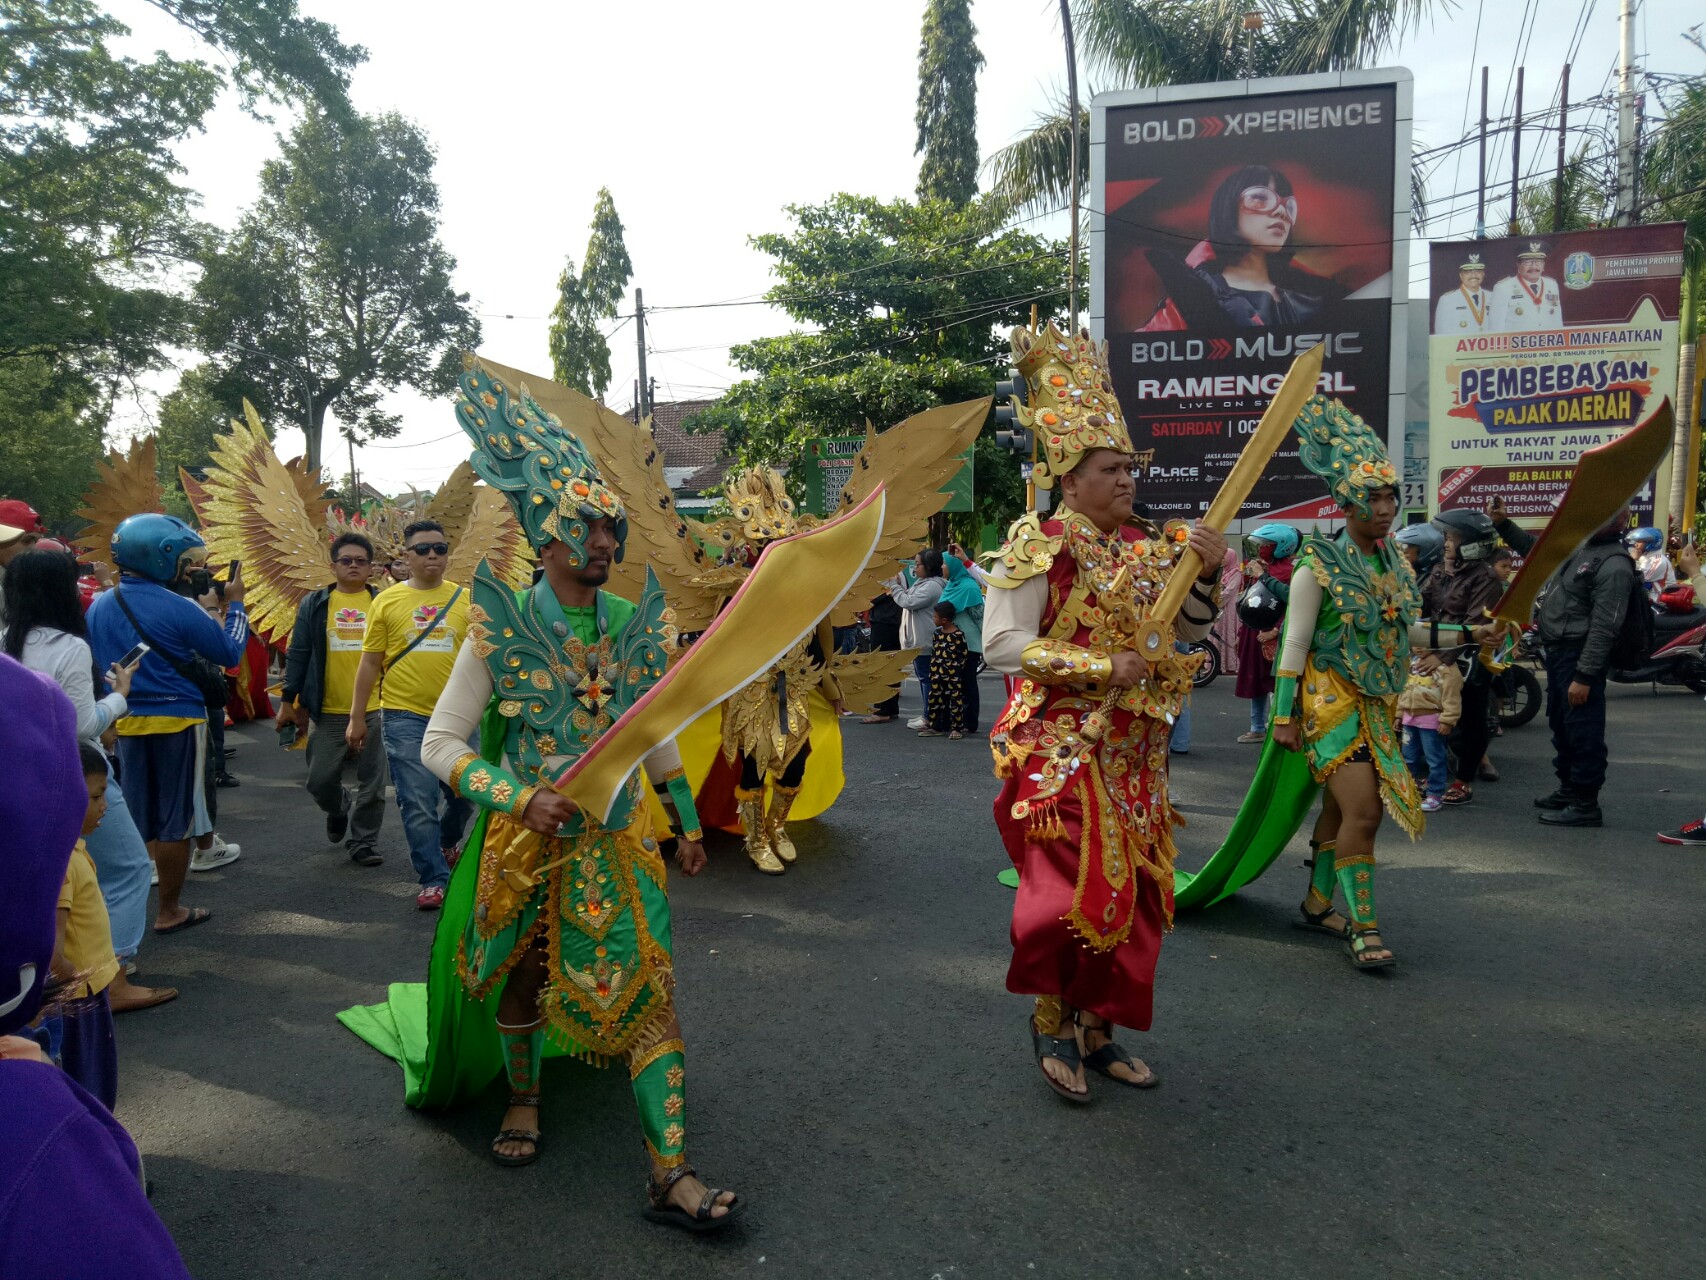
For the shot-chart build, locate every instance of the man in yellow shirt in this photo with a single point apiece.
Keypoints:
(413, 632)
(319, 685)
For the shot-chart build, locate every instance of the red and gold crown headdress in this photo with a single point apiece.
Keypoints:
(1069, 399)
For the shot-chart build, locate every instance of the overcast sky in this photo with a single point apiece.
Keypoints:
(706, 120)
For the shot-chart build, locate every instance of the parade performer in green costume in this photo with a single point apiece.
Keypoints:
(1342, 664)
(556, 927)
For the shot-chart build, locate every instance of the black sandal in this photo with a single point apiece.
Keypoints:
(1102, 1061)
(1063, 1049)
(1357, 942)
(659, 1209)
(1312, 920)
(518, 1135)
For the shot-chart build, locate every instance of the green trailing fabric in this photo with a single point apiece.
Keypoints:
(1279, 799)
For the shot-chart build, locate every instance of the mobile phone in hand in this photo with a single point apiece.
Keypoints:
(135, 655)
(231, 573)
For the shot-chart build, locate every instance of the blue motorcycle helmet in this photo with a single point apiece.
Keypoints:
(1282, 537)
(153, 546)
(1428, 541)
(1645, 539)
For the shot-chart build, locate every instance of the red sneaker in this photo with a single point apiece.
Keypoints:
(430, 898)
(1690, 833)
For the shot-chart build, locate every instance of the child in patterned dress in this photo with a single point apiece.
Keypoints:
(945, 706)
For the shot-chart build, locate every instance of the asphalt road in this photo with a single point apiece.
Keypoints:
(1520, 1097)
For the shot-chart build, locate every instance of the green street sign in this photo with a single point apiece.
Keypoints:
(829, 461)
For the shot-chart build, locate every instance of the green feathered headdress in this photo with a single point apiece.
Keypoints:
(537, 463)
(1344, 451)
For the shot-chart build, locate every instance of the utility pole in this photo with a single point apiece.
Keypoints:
(1516, 152)
(1563, 128)
(1625, 203)
(354, 484)
(1481, 169)
(645, 400)
(1072, 176)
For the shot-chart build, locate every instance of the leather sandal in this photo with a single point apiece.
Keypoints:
(1315, 921)
(1103, 1060)
(1063, 1049)
(518, 1135)
(659, 1209)
(1357, 943)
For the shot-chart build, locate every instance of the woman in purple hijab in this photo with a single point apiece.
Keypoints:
(71, 1202)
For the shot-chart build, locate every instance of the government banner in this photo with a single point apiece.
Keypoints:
(1542, 347)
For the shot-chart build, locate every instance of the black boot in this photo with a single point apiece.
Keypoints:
(1562, 798)
(1581, 811)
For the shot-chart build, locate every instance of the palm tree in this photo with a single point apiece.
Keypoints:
(1138, 43)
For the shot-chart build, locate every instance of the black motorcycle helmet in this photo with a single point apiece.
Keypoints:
(1476, 536)
(1260, 608)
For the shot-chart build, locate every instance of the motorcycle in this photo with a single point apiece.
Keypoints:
(1679, 653)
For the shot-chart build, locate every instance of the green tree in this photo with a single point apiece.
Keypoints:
(50, 436)
(199, 408)
(580, 354)
(1137, 43)
(92, 214)
(334, 288)
(907, 306)
(948, 63)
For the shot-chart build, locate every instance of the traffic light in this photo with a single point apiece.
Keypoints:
(1009, 399)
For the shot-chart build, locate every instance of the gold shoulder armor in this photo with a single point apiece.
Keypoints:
(1027, 552)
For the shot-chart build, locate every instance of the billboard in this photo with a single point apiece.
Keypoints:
(1542, 347)
(1236, 225)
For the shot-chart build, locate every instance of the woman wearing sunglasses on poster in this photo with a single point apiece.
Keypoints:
(1242, 275)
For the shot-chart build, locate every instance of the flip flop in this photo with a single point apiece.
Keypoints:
(1063, 1048)
(197, 915)
(1102, 1062)
(162, 995)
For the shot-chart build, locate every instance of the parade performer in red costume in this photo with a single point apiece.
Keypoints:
(1082, 743)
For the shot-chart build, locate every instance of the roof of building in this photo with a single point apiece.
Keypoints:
(692, 460)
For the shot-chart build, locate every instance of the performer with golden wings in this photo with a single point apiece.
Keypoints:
(766, 736)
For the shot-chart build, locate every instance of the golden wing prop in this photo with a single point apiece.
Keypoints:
(869, 678)
(383, 527)
(254, 510)
(453, 504)
(1605, 478)
(910, 462)
(631, 463)
(126, 484)
(490, 533)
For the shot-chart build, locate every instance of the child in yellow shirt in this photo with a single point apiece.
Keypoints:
(77, 1015)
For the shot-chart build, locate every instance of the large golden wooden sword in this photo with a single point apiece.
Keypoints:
(1155, 632)
(795, 583)
(1605, 479)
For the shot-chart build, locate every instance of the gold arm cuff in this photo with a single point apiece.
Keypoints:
(1054, 662)
(695, 836)
(460, 768)
(1279, 719)
(1282, 674)
(672, 775)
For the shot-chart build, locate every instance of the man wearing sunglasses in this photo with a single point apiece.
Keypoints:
(319, 685)
(413, 632)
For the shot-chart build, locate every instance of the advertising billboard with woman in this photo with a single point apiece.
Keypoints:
(1234, 226)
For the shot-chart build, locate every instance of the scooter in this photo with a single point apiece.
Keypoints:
(1679, 653)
